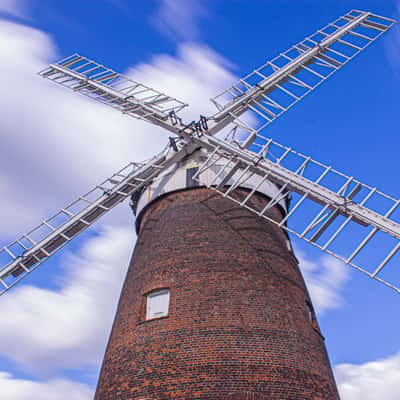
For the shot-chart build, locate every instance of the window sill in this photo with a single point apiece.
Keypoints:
(143, 321)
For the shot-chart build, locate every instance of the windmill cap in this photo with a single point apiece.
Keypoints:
(184, 175)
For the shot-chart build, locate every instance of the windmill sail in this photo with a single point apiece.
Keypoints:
(336, 213)
(273, 88)
(21, 257)
(115, 90)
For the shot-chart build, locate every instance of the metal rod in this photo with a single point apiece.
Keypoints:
(386, 260)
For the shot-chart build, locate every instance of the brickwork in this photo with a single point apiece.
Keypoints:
(239, 326)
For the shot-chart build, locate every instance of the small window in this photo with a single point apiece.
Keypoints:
(157, 304)
(310, 312)
(190, 173)
(288, 244)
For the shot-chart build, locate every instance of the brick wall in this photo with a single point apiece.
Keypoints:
(239, 326)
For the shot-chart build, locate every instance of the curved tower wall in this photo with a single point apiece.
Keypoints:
(240, 323)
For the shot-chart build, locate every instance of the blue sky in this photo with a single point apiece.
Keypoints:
(57, 145)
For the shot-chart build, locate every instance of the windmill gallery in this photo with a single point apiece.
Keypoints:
(214, 305)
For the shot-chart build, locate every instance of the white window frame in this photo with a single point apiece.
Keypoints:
(163, 306)
(288, 243)
(310, 312)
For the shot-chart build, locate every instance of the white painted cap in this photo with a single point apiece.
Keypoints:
(180, 177)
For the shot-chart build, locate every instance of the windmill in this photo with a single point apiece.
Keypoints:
(214, 305)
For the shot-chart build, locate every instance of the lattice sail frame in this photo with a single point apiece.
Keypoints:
(269, 91)
(352, 221)
(118, 91)
(334, 201)
(22, 256)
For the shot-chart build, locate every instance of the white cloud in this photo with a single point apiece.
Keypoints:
(325, 278)
(68, 328)
(178, 19)
(370, 381)
(57, 389)
(58, 144)
(13, 7)
(196, 75)
(393, 44)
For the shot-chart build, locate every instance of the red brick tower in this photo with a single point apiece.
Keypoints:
(231, 319)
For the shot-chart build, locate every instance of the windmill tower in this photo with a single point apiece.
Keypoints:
(214, 305)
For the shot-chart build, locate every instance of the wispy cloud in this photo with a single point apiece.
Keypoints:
(180, 19)
(41, 116)
(56, 146)
(370, 381)
(325, 277)
(83, 306)
(15, 8)
(393, 44)
(58, 389)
